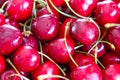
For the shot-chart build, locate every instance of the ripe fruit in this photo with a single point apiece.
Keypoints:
(2, 19)
(20, 10)
(45, 27)
(2, 64)
(86, 72)
(57, 50)
(10, 39)
(26, 59)
(84, 31)
(47, 68)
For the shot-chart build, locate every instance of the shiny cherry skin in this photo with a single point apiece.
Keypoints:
(111, 72)
(110, 57)
(84, 31)
(10, 39)
(20, 10)
(44, 11)
(45, 27)
(46, 68)
(58, 3)
(106, 12)
(113, 37)
(56, 49)
(83, 7)
(86, 72)
(31, 40)
(101, 49)
(26, 59)
(2, 64)
(81, 59)
(2, 19)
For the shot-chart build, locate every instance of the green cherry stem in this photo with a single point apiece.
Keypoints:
(42, 60)
(67, 26)
(53, 62)
(68, 15)
(43, 77)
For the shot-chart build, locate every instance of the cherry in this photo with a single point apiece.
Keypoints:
(26, 59)
(20, 10)
(83, 7)
(113, 37)
(6, 75)
(56, 49)
(110, 57)
(111, 72)
(45, 27)
(2, 64)
(44, 11)
(47, 68)
(2, 19)
(86, 35)
(117, 1)
(81, 59)
(31, 40)
(86, 72)
(106, 12)
(58, 3)
(100, 52)
(10, 36)
(1, 2)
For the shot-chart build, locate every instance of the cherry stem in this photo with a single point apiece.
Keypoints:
(9, 61)
(48, 7)
(109, 25)
(22, 77)
(43, 77)
(34, 9)
(77, 47)
(66, 1)
(65, 14)
(53, 62)
(2, 8)
(67, 26)
(42, 60)
(95, 54)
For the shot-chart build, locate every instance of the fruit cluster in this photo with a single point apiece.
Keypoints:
(60, 40)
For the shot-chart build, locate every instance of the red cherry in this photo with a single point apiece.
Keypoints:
(81, 59)
(47, 68)
(2, 64)
(111, 72)
(84, 31)
(20, 10)
(26, 59)
(10, 39)
(57, 50)
(58, 3)
(83, 7)
(86, 72)
(2, 19)
(113, 36)
(106, 12)
(45, 27)
(31, 41)
(110, 58)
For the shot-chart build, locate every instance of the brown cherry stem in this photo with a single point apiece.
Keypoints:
(109, 25)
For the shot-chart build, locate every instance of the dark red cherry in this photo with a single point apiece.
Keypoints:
(20, 10)
(84, 31)
(2, 2)
(101, 49)
(2, 19)
(2, 64)
(45, 27)
(111, 72)
(44, 11)
(113, 37)
(106, 12)
(117, 1)
(26, 59)
(110, 58)
(56, 49)
(86, 72)
(83, 7)
(10, 39)
(81, 59)
(58, 3)
(47, 68)
(32, 41)
(6, 75)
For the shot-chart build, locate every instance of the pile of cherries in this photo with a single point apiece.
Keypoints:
(60, 40)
